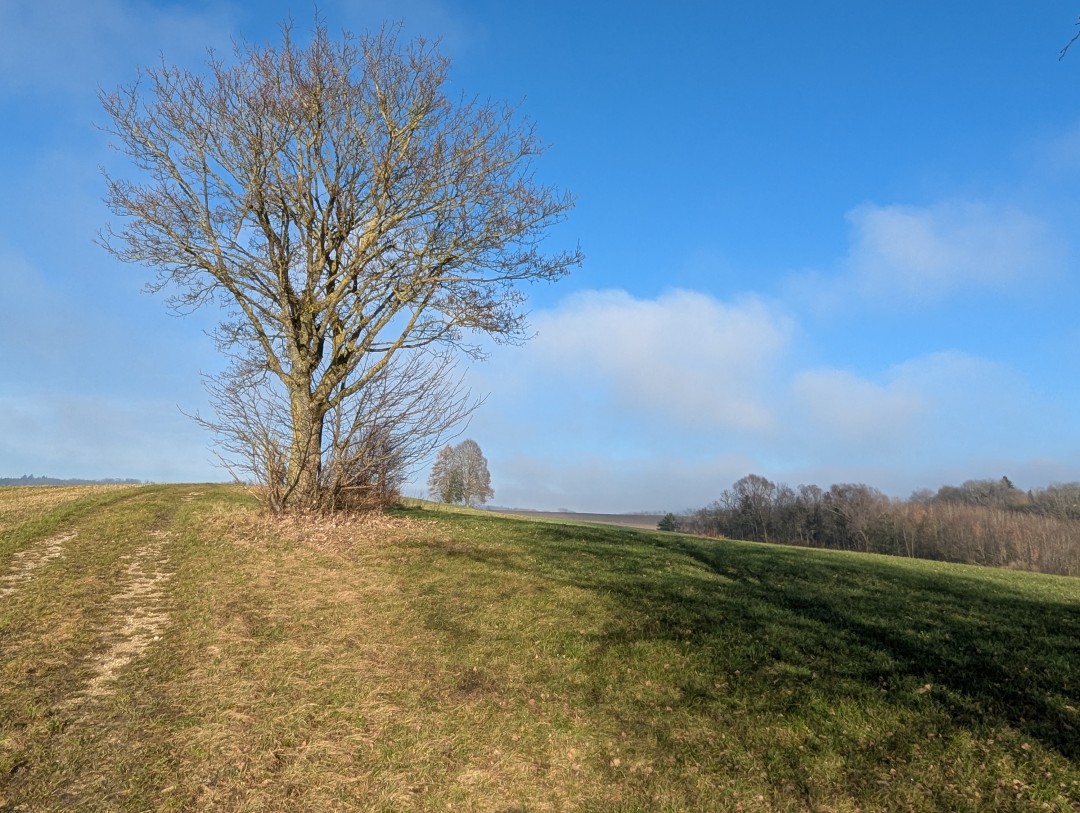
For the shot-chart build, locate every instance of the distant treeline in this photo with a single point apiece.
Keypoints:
(986, 522)
(32, 480)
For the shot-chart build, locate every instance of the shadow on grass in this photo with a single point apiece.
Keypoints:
(997, 653)
(802, 629)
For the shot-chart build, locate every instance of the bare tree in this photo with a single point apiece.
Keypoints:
(1060, 500)
(444, 481)
(391, 426)
(752, 503)
(374, 439)
(986, 522)
(460, 474)
(344, 210)
(856, 509)
(475, 478)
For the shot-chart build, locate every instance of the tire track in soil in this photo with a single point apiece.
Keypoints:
(138, 616)
(27, 562)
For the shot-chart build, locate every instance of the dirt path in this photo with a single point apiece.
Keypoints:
(135, 602)
(26, 562)
(138, 614)
(85, 600)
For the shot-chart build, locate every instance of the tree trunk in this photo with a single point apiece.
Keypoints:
(305, 456)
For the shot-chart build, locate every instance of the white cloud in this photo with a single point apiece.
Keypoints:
(685, 357)
(942, 417)
(977, 406)
(850, 411)
(928, 406)
(925, 253)
(915, 256)
(625, 403)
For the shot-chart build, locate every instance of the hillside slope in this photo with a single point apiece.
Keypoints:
(168, 648)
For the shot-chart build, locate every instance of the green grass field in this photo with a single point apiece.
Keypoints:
(169, 648)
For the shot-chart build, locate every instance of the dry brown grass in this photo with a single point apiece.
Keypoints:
(19, 504)
(370, 713)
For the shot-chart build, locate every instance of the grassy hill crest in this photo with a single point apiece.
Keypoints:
(170, 648)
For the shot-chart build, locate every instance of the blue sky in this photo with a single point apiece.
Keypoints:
(828, 242)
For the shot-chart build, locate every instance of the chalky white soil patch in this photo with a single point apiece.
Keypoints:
(139, 615)
(26, 562)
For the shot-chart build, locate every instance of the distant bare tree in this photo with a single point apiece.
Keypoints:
(475, 477)
(751, 499)
(344, 210)
(856, 508)
(1060, 500)
(999, 493)
(810, 510)
(460, 474)
(444, 481)
(985, 522)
